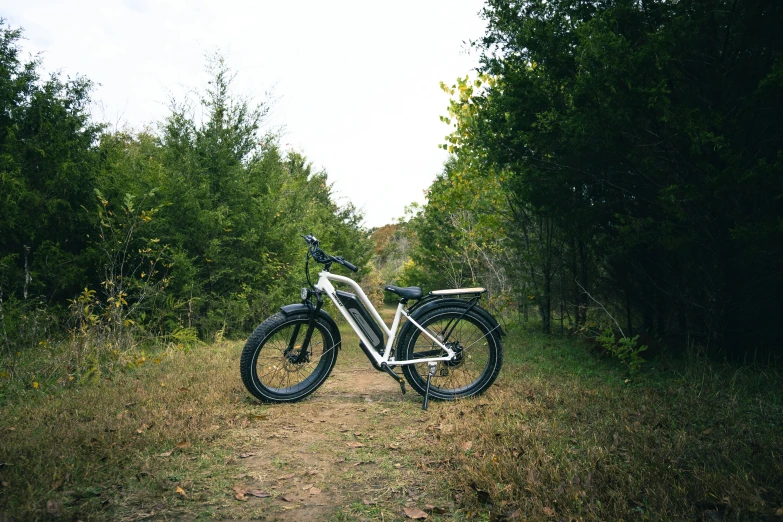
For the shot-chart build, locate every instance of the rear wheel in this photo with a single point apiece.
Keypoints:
(471, 372)
(272, 366)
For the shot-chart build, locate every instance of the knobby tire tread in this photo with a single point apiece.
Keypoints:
(262, 335)
(494, 352)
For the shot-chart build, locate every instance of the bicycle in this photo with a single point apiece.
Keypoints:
(448, 347)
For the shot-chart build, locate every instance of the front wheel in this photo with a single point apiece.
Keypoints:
(273, 367)
(471, 372)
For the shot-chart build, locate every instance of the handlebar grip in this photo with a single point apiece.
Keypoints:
(346, 264)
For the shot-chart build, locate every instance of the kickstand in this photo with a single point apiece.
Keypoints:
(427, 391)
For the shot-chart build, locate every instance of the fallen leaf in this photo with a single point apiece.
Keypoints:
(259, 417)
(315, 491)
(184, 444)
(357, 433)
(182, 389)
(467, 445)
(130, 405)
(288, 498)
(707, 431)
(166, 453)
(240, 492)
(286, 477)
(414, 512)
(5, 484)
(548, 511)
(10, 428)
(368, 502)
(354, 445)
(246, 455)
(258, 493)
(435, 509)
(779, 512)
(393, 445)
(54, 508)
(307, 486)
(180, 491)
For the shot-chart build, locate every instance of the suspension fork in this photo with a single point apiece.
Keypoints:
(310, 327)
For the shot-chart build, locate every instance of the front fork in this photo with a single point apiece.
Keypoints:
(304, 351)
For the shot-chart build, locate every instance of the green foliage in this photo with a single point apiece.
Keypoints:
(625, 349)
(47, 172)
(639, 149)
(194, 232)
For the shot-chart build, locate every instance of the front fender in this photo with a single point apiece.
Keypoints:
(306, 308)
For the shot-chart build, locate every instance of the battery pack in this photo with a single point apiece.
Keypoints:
(362, 318)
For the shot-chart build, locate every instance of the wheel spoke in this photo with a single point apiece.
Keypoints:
(276, 366)
(469, 338)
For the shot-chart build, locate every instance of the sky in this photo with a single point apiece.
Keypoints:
(354, 84)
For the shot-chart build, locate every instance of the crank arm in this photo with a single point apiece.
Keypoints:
(385, 367)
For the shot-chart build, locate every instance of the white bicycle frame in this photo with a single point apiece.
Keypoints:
(324, 284)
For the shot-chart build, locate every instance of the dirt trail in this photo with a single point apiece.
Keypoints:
(347, 444)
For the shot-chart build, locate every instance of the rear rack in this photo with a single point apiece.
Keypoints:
(459, 291)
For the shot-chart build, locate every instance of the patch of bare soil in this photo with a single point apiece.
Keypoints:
(346, 448)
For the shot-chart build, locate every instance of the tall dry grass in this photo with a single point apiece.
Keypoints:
(565, 437)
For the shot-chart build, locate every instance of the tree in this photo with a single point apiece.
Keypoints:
(648, 132)
(48, 163)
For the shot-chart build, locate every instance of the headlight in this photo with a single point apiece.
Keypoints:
(305, 294)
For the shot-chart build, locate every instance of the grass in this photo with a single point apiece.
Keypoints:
(565, 435)
(562, 435)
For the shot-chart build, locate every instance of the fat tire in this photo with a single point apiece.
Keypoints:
(326, 351)
(486, 344)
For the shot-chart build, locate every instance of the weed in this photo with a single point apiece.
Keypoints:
(560, 435)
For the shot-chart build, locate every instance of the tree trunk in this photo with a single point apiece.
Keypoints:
(546, 305)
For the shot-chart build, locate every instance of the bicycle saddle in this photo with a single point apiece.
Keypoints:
(408, 292)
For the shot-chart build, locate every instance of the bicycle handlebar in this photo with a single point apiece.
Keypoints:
(324, 258)
(346, 264)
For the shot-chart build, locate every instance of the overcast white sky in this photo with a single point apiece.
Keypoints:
(357, 82)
